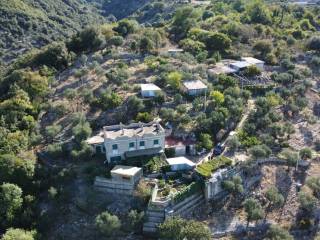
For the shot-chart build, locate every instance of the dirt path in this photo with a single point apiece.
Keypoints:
(250, 108)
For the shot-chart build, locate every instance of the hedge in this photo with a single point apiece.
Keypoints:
(187, 191)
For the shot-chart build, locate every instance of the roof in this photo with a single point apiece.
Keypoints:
(221, 69)
(175, 50)
(133, 129)
(125, 170)
(194, 85)
(240, 64)
(98, 139)
(172, 142)
(180, 160)
(149, 87)
(252, 60)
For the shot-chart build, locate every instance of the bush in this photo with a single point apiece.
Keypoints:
(177, 229)
(260, 151)
(19, 234)
(55, 150)
(252, 71)
(233, 143)
(313, 43)
(205, 142)
(107, 224)
(89, 39)
(135, 220)
(264, 47)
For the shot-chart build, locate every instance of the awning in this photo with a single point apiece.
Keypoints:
(144, 152)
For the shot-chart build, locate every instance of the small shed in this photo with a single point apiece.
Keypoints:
(254, 61)
(180, 164)
(126, 174)
(174, 51)
(240, 65)
(194, 88)
(149, 90)
(220, 69)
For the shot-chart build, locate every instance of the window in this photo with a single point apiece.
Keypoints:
(115, 147)
(156, 142)
(142, 143)
(131, 145)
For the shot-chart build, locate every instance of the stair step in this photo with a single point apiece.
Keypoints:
(149, 229)
(189, 207)
(150, 224)
(189, 202)
(155, 219)
(155, 214)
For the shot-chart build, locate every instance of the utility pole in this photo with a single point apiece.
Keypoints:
(205, 101)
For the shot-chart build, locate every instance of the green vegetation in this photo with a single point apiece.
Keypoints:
(108, 224)
(80, 75)
(177, 229)
(205, 169)
(187, 191)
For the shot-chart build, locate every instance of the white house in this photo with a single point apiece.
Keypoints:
(194, 88)
(180, 164)
(254, 61)
(149, 90)
(137, 139)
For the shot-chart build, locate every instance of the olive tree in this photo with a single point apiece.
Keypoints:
(253, 209)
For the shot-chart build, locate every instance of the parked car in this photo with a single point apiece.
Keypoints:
(218, 149)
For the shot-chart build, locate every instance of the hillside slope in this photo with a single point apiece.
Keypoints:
(25, 24)
(33, 23)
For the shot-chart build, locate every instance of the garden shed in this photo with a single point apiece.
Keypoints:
(194, 88)
(149, 90)
(180, 164)
(254, 62)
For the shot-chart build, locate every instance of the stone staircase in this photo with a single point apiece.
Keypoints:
(187, 205)
(154, 217)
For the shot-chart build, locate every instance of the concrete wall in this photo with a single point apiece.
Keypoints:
(113, 186)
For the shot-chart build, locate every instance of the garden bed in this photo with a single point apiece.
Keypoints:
(207, 168)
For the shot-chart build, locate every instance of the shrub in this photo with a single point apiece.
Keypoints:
(313, 43)
(177, 228)
(107, 224)
(19, 234)
(135, 220)
(260, 151)
(264, 47)
(252, 71)
(174, 79)
(55, 150)
(205, 142)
